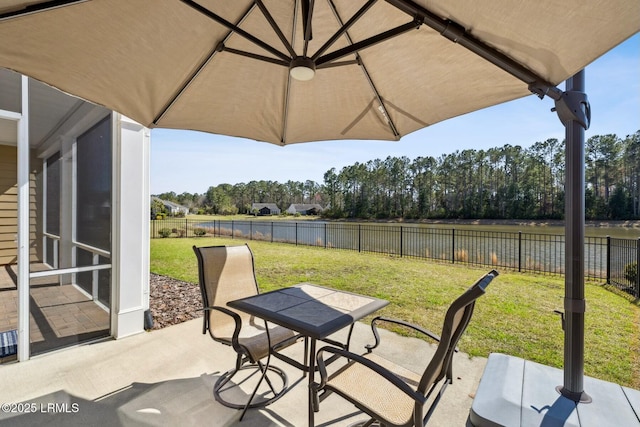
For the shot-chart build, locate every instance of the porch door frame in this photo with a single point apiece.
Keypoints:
(22, 237)
(130, 224)
(23, 222)
(84, 119)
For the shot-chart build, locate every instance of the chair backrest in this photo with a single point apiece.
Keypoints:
(225, 273)
(455, 322)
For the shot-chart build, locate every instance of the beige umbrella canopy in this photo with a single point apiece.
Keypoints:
(287, 71)
(383, 69)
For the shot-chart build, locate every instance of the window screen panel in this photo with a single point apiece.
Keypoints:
(93, 212)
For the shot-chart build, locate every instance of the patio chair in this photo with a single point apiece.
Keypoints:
(388, 393)
(227, 273)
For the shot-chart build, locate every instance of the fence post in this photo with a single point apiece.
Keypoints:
(271, 231)
(325, 235)
(359, 237)
(400, 241)
(186, 227)
(519, 251)
(453, 245)
(608, 260)
(250, 230)
(638, 269)
(232, 229)
(296, 234)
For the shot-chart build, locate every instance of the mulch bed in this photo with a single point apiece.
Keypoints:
(173, 301)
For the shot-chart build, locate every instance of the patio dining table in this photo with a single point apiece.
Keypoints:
(311, 310)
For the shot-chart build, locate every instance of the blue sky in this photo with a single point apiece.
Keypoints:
(187, 161)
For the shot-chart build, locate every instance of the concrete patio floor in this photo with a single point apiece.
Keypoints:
(166, 377)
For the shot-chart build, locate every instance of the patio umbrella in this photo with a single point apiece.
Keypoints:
(377, 69)
(295, 71)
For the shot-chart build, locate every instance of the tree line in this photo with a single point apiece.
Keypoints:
(508, 182)
(227, 199)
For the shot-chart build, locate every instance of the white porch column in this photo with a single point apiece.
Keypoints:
(23, 225)
(130, 237)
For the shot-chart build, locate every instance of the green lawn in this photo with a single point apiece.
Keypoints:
(514, 317)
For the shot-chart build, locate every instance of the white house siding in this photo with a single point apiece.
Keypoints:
(9, 207)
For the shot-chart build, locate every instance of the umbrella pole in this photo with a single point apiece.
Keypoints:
(576, 119)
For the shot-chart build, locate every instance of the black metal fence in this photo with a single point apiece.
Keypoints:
(611, 259)
(623, 264)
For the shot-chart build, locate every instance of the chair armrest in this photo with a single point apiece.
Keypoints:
(416, 328)
(355, 358)
(236, 331)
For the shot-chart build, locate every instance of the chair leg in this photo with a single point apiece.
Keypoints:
(255, 390)
(266, 378)
(226, 377)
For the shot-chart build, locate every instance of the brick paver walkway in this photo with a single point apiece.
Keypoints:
(60, 315)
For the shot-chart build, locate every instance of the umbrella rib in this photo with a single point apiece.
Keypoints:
(254, 56)
(366, 43)
(203, 10)
(198, 69)
(287, 93)
(338, 64)
(308, 5)
(376, 93)
(458, 34)
(385, 111)
(343, 29)
(276, 28)
(41, 7)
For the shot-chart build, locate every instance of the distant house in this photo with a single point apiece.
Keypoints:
(265, 208)
(173, 208)
(305, 209)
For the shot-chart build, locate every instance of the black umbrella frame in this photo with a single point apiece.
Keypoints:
(571, 105)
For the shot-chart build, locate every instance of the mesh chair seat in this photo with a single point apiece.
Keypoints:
(369, 389)
(389, 393)
(254, 338)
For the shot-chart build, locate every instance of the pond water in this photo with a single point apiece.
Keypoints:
(621, 230)
(525, 247)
